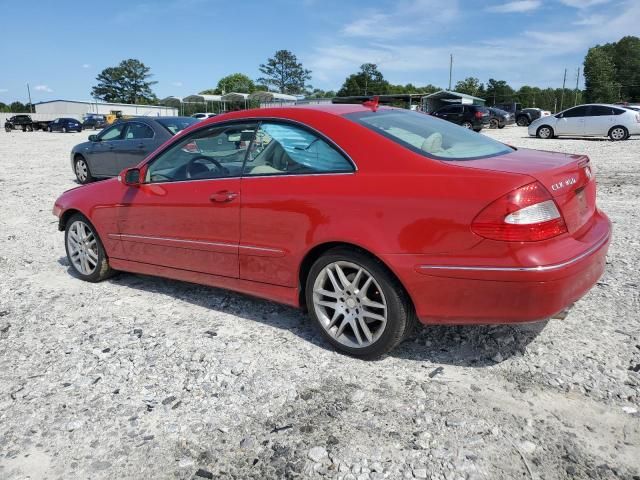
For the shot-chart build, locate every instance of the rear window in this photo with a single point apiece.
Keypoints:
(429, 136)
(175, 125)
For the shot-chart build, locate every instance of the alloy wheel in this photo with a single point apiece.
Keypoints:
(467, 125)
(82, 247)
(618, 133)
(350, 304)
(544, 132)
(81, 170)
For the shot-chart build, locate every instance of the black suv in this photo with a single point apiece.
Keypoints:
(95, 122)
(468, 116)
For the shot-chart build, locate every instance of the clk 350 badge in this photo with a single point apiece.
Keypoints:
(564, 183)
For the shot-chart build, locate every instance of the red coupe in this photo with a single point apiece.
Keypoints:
(370, 218)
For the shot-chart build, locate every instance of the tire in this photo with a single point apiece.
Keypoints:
(82, 170)
(7, 129)
(29, 128)
(618, 133)
(545, 132)
(64, 129)
(493, 123)
(467, 124)
(357, 300)
(50, 129)
(522, 121)
(85, 252)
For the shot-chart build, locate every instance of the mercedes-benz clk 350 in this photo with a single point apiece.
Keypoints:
(371, 219)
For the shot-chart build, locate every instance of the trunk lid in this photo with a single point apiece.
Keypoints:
(568, 178)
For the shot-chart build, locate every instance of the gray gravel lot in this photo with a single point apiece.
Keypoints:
(140, 377)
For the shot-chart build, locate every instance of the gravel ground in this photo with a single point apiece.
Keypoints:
(140, 377)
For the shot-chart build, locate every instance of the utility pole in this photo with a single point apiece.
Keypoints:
(30, 104)
(450, 69)
(564, 81)
(575, 101)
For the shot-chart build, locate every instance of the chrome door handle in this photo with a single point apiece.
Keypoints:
(223, 196)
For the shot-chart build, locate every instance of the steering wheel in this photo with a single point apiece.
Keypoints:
(191, 171)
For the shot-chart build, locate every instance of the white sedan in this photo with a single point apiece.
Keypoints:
(592, 120)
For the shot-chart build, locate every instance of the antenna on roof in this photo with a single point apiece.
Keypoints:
(373, 103)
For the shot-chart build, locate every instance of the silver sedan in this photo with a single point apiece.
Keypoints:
(591, 120)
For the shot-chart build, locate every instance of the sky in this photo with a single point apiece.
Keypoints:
(59, 47)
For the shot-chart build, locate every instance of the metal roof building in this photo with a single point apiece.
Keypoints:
(443, 98)
(79, 108)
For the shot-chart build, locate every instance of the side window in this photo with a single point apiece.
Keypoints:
(600, 110)
(287, 149)
(617, 111)
(112, 133)
(576, 112)
(214, 152)
(137, 131)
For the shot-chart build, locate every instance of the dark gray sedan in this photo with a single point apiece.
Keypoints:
(122, 145)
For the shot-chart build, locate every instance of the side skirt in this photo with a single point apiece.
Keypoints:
(276, 293)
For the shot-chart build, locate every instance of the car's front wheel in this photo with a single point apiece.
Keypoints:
(493, 123)
(64, 129)
(82, 171)
(85, 251)
(544, 132)
(358, 306)
(618, 133)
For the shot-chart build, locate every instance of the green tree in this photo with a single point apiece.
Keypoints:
(284, 73)
(128, 82)
(626, 58)
(470, 86)
(498, 91)
(368, 81)
(236, 82)
(319, 93)
(600, 76)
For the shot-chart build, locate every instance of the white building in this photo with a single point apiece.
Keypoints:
(78, 109)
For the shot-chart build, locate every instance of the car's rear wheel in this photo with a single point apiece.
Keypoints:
(29, 128)
(82, 171)
(522, 121)
(50, 129)
(64, 129)
(618, 133)
(545, 132)
(493, 123)
(467, 124)
(358, 306)
(85, 251)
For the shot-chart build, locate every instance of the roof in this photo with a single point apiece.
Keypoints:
(272, 97)
(93, 102)
(394, 97)
(202, 98)
(452, 94)
(235, 97)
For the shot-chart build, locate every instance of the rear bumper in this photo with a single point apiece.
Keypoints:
(456, 292)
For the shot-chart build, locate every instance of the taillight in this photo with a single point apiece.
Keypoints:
(478, 114)
(527, 214)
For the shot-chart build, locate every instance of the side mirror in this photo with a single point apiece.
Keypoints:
(94, 138)
(130, 177)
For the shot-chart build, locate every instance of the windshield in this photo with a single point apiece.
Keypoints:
(429, 136)
(175, 125)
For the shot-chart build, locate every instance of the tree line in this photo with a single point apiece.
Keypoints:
(611, 72)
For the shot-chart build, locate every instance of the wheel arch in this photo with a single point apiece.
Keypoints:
(317, 251)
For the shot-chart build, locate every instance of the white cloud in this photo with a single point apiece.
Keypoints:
(177, 84)
(407, 17)
(583, 3)
(537, 56)
(86, 65)
(517, 6)
(42, 88)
